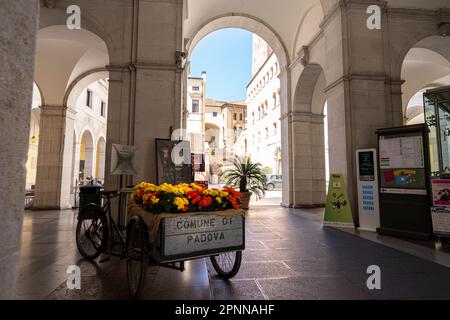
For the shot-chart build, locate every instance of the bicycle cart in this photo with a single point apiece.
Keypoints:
(165, 239)
(168, 240)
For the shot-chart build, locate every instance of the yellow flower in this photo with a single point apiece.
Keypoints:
(219, 199)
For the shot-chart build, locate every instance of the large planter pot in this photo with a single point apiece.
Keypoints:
(245, 200)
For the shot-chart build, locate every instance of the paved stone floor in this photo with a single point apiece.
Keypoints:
(289, 255)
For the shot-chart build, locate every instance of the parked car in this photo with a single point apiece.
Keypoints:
(274, 181)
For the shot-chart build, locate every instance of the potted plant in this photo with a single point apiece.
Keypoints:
(248, 177)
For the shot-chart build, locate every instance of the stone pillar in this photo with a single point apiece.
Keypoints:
(54, 164)
(89, 161)
(359, 101)
(287, 158)
(76, 164)
(308, 171)
(100, 174)
(145, 101)
(18, 22)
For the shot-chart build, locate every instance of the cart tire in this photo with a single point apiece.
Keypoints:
(137, 257)
(227, 264)
(270, 187)
(92, 233)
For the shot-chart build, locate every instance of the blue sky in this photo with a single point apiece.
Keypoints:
(226, 55)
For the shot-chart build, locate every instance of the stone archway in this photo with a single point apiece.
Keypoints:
(268, 34)
(307, 143)
(65, 64)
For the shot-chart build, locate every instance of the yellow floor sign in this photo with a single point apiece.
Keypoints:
(337, 210)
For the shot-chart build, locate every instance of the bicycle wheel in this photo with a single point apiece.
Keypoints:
(227, 264)
(137, 258)
(92, 235)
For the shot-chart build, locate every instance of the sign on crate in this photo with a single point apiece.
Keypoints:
(183, 235)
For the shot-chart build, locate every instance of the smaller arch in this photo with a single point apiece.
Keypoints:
(87, 153)
(423, 34)
(39, 92)
(306, 85)
(82, 82)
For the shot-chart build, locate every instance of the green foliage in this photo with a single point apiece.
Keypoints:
(267, 170)
(247, 176)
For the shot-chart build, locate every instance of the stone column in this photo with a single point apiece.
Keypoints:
(357, 78)
(145, 101)
(54, 164)
(18, 22)
(309, 166)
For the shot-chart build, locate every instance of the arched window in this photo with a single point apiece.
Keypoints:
(253, 117)
(266, 109)
(274, 100)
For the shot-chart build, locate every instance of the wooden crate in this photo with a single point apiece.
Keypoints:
(191, 237)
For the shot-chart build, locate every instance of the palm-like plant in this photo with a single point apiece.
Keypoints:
(247, 176)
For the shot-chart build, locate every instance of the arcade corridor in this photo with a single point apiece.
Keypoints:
(289, 255)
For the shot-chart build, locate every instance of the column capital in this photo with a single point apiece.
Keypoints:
(58, 111)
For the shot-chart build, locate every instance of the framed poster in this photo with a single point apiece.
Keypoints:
(441, 192)
(173, 161)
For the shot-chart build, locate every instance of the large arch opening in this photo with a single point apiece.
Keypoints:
(254, 127)
(426, 66)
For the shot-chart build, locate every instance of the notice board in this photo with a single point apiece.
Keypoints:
(404, 181)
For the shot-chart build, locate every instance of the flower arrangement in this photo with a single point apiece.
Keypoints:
(184, 198)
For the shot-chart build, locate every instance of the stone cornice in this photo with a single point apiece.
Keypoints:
(297, 116)
(355, 76)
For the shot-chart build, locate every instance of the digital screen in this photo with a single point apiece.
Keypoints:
(366, 165)
(402, 161)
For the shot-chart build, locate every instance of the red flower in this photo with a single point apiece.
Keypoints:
(205, 202)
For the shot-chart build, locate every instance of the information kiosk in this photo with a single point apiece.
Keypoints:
(405, 195)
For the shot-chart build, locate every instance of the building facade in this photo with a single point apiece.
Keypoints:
(262, 141)
(213, 127)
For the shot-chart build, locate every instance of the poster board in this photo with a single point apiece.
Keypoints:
(368, 196)
(404, 187)
(337, 210)
(173, 161)
(441, 221)
(402, 163)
